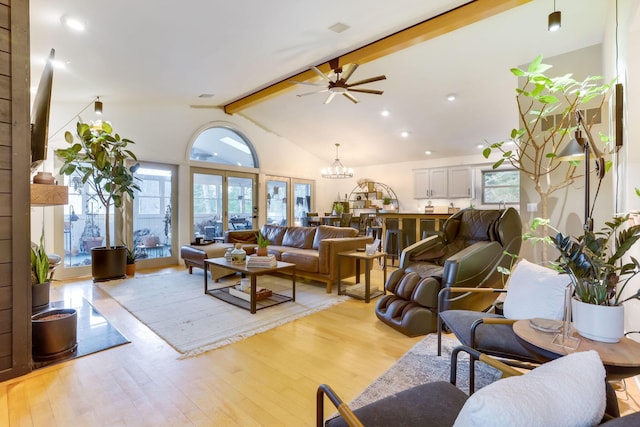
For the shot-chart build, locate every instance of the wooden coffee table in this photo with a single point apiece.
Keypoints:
(224, 295)
(621, 359)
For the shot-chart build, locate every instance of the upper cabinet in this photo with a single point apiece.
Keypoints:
(442, 183)
(430, 183)
(460, 182)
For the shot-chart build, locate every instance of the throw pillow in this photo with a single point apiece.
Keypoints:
(535, 291)
(569, 391)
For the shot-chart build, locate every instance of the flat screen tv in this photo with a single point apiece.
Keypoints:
(40, 115)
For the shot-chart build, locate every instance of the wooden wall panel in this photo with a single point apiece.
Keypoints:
(15, 345)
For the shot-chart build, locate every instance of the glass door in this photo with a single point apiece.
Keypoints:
(303, 200)
(153, 218)
(277, 197)
(222, 200)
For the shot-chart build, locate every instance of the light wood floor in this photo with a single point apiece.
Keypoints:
(266, 380)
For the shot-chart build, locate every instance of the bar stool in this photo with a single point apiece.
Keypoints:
(393, 239)
(428, 227)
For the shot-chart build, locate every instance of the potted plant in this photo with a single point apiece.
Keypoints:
(386, 204)
(100, 158)
(53, 332)
(40, 277)
(338, 208)
(546, 108)
(132, 257)
(262, 245)
(594, 262)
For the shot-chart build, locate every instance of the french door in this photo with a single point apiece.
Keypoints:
(220, 201)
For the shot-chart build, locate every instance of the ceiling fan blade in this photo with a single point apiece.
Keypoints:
(321, 74)
(345, 76)
(369, 80)
(351, 97)
(330, 97)
(372, 91)
(307, 83)
(313, 93)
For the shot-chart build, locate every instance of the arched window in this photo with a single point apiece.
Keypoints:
(224, 145)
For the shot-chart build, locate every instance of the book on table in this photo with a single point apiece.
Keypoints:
(261, 293)
(267, 261)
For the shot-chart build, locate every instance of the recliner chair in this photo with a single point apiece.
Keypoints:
(466, 253)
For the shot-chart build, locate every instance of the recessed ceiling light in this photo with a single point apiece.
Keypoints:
(385, 113)
(339, 27)
(480, 145)
(451, 97)
(428, 152)
(404, 134)
(73, 23)
(206, 95)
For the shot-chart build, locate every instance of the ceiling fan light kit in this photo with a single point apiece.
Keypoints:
(337, 170)
(339, 85)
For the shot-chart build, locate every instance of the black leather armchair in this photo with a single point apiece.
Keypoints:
(466, 253)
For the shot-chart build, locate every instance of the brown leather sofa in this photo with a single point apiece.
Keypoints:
(314, 250)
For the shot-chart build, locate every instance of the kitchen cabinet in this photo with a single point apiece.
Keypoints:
(460, 182)
(430, 183)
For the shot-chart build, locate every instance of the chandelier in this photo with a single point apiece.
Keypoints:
(337, 170)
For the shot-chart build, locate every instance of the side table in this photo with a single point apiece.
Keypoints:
(359, 257)
(621, 360)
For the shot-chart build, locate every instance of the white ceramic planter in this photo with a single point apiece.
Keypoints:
(598, 322)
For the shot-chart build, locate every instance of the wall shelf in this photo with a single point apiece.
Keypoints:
(49, 195)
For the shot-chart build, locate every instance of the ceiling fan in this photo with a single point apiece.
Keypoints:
(339, 85)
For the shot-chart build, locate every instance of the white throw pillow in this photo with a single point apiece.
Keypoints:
(535, 291)
(569, 391)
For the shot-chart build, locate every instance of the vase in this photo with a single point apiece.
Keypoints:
(238, 255)
(54, 334)
(40, 296)
(598, 322)
(262, 251)
(130, 270)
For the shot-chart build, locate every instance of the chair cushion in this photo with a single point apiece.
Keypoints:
(535, 291)
(496, 340)
(273, 233)
(299, 237)
(433, 404)
(566, 392)
(330, 232)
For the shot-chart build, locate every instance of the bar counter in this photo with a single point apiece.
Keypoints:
(413, 224)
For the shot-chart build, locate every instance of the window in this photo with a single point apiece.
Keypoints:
(500, 187)
(223, 145)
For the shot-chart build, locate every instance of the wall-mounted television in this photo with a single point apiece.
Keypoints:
(40, 115)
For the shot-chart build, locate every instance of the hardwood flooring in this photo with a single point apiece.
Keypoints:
(266, 380)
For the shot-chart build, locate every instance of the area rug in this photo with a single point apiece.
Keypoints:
(94, 333)
(422, 365)
(174, 306)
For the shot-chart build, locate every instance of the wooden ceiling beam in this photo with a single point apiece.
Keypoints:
(444, 23)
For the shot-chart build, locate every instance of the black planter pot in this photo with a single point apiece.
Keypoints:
(40, 297)
(108, 263)
(54, 334)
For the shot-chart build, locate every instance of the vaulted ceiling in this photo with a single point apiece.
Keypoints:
(171, 53)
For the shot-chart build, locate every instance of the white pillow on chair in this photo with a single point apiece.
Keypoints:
(535, 291)
(569, 391)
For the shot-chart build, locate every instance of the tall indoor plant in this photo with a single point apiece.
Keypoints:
(100, 158)
(546, 109)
